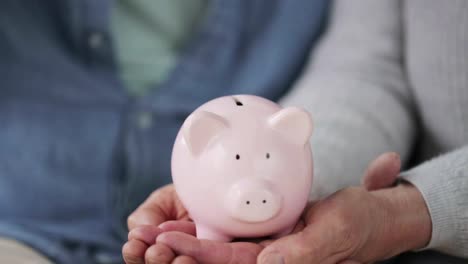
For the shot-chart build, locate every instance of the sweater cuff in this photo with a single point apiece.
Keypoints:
(434, 191)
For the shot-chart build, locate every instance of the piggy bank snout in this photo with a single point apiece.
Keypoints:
(253, 202)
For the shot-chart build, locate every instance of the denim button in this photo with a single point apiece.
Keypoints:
(95, 40)
(145, 120)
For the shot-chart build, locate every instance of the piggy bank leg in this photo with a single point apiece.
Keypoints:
(204, 232)
(284, 232)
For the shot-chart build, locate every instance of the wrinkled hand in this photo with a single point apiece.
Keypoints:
(163, 212)
(162, 206)
(381, 173)
(352, 225)
(356, 225)
(157, 209)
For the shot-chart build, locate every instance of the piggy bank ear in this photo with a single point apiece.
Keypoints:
(201, 128)
(293, 123)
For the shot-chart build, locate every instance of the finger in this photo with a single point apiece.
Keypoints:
(161, 206)
(159, 254)
(266, 243)
(207, 251)
(298, 228)
(312, 245)
(184, 226)
(284, 250)
(151, 211)
(147, 233)
(134, 252)
(184, 260)
(146, 216)
(382, 172)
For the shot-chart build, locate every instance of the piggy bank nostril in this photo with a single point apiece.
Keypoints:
(248, 202)
(264, 201)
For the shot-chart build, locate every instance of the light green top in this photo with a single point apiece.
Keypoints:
(148, 35)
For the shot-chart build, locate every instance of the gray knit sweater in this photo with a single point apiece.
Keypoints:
(392, 75)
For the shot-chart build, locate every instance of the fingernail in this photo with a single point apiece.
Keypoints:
(272, 258)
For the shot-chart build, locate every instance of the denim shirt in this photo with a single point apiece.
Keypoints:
(77, 153)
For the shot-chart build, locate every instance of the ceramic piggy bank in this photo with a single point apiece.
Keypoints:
(242, 167)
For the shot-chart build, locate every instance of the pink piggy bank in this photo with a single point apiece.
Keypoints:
(242, 167)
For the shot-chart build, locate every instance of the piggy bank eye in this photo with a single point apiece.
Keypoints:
(268, 155)
(237, 156)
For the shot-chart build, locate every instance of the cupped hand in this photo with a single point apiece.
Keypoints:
(214, 252)
(156, 215)
(338, 229)
(178, 241)
(356, 225)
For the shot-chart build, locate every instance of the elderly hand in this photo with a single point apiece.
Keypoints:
(144, 224)
(163, 212)
(381, 173)
(357, 226)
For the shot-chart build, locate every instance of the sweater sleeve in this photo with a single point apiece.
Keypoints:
(443, 182)
(356, 90)
(358, 95)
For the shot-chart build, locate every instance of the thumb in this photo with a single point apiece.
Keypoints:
(161, 206)
(293, 248)
(382, 172)
(273, 254)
